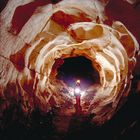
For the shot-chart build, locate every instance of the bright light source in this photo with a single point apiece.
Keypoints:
(78, 81)
(77, 90)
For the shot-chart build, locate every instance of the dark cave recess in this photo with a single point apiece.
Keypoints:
(78, 68)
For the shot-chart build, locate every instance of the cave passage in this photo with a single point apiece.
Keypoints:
(78, 68)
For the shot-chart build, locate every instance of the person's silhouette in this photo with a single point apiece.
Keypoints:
(77, 95)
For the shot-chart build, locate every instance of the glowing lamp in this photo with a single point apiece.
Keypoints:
(78, 82)
(77, 90)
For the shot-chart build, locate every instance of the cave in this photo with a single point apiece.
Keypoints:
(47, 47)
(75, 68)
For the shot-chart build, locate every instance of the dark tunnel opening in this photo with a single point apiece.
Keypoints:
(78, 68)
